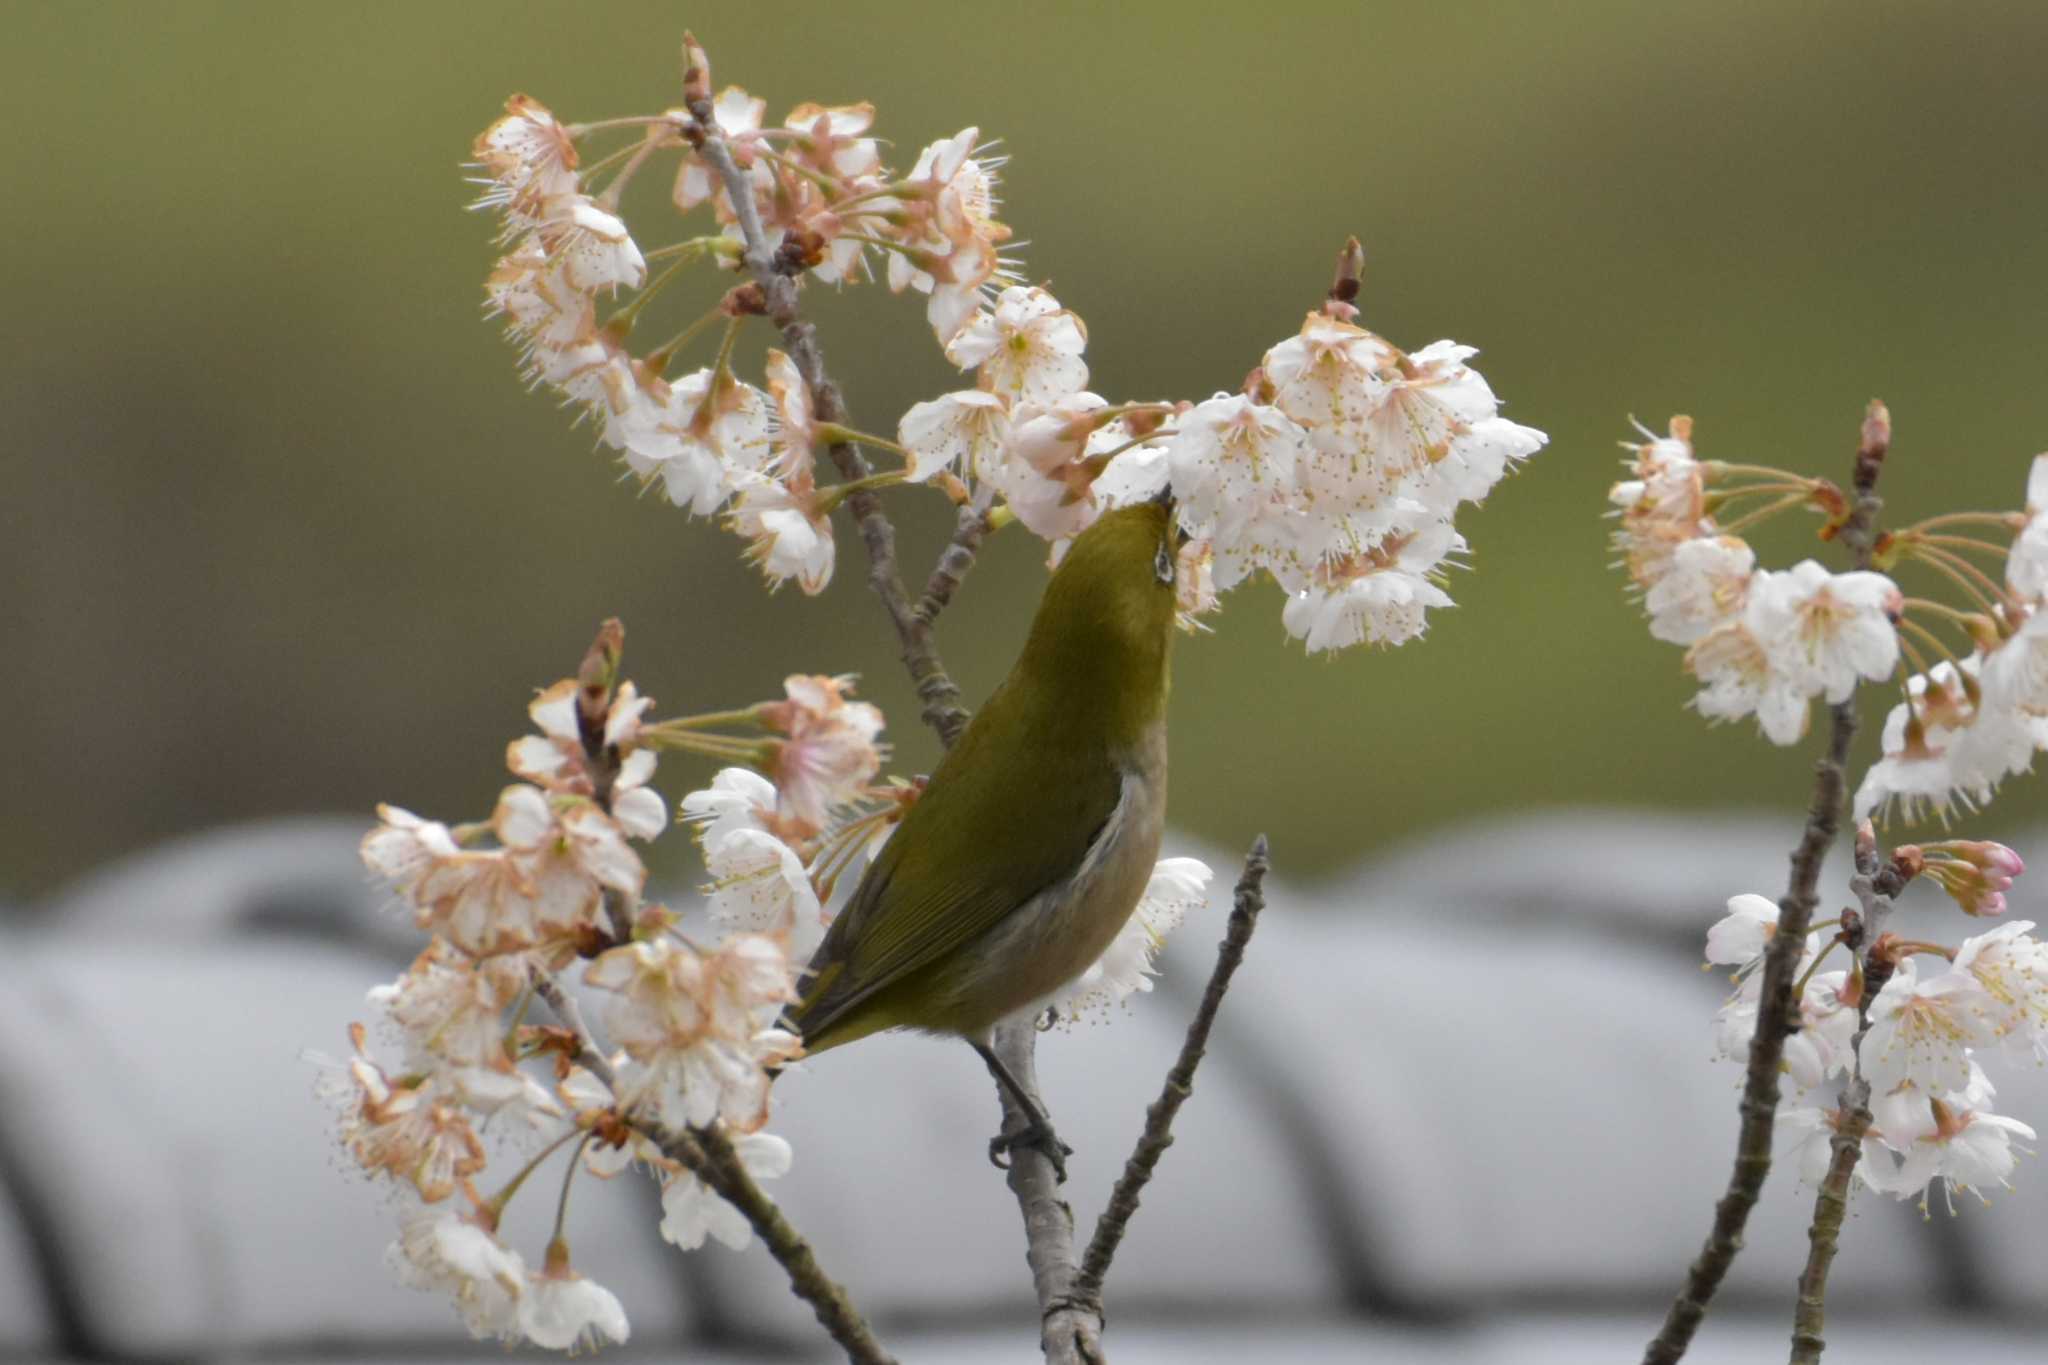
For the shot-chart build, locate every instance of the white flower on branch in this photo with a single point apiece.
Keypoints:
(694, 1025)
(1740, 681)
(411, 1131)
(1177, 886)
(563, 1311)
(1331, 377)
(1232, 457)
(1739, 939)
(2026, 563)
(738, 798)
(829, 751)
(2012, 967)
(1805, 1140)
(591, 248)
(1705, 584)
(1825, 631)
(569, 849)
(1663, 507)
(1952, 1138)
(793, 429)
(691, 1212)
(539, 307)
(450, 1008)
(1922, 1030)
(1377, 596)
(1825, 1044)
(967, 431)
(1946, 745)
(529, 161)
(761, 886)
(1028, 350)
(713, 428)
(448, 1253)
(787, 536)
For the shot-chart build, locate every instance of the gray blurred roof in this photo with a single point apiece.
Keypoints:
(1460, 1106)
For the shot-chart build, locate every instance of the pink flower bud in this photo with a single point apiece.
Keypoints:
(1975, 873)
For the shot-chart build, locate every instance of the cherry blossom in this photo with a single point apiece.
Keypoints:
(1027, 350)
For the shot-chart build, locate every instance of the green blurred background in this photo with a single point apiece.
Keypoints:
(281, 531)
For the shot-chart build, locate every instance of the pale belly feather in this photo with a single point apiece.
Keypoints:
(1058, 934)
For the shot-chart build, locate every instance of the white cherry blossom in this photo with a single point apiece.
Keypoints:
(447, 1253)
(1027, 350)
(1177, 886)
(1922, 1029)
(1824, 631)
(968, 431)
(691, 1212)
(1705, 584)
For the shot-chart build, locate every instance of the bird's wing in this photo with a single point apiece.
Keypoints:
(910, 911)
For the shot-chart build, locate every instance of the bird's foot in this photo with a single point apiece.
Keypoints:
(1037, 1134)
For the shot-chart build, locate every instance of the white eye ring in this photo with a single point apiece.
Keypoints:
(1163, 562)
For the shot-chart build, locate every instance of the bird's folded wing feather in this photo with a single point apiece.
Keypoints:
(979, 844)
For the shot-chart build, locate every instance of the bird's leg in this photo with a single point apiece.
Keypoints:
(1037, 1130)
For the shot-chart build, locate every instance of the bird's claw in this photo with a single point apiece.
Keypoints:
(1038, 1135)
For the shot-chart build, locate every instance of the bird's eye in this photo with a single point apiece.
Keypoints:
(1162, 563)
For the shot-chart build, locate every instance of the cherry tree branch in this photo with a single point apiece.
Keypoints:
(1777, 1010)
(775, 270)
(1250, 899)
(954, 562)
(1875, 885)
(708, 1153)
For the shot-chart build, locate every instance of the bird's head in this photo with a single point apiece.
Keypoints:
(1106, 623)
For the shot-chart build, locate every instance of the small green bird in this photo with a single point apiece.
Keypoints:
(1037, 833)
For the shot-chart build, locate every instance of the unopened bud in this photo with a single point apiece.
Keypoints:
(1344, 285)
(596, 675)
(1876, 440)
(802, 248)
(744, 300)
(696, 77)
(1976, 873)
(1142, 422)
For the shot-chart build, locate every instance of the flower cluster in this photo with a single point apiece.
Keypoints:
(1761, 642)
(1968, 723)
(1929, 1034)
(1336, 471)
(708, 439)
(511, 902)
(508, 903)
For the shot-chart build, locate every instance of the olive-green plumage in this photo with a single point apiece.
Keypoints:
(1037, 833)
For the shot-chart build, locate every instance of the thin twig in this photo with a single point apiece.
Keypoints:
(709, 1154)
(1776, 1009)
(775, 271)
(954, 562)
(1874, 885)
(1158, 1135)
